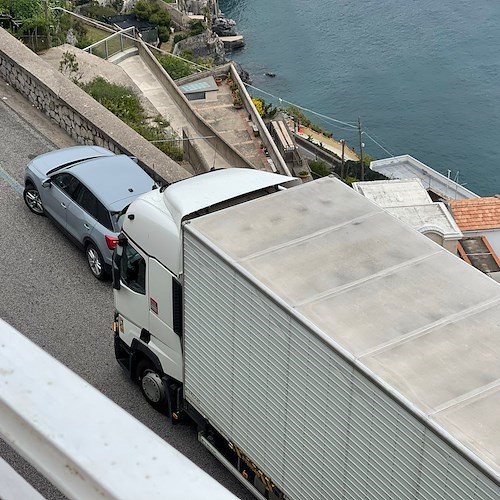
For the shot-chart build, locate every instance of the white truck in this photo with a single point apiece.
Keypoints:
(323, 348)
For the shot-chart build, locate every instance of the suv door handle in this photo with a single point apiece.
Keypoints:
(86, 226)
(63, 205)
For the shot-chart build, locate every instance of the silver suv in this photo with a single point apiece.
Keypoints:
(85, 189)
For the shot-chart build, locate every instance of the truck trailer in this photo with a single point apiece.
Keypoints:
(323, 348)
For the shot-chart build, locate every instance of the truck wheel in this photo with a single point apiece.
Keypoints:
(152, 386)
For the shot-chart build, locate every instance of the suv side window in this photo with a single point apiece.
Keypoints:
(103, 216)
(94, 207)
(133, 270)
(87, 201)
(67, 183)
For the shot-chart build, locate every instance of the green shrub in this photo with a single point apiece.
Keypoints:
(152, 12)
(298, 115)
(126, 105)
(196, 28)
(26, 9)
(163, 34)
(120, 100)
(175, 67)
(160, 17)
(179, 37)
(320, 168)
(96, 11)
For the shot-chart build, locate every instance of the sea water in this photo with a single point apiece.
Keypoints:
(423, 75)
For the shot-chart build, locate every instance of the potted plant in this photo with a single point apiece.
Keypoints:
(303, 175)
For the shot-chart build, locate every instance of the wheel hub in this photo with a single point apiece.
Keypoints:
(153, 388)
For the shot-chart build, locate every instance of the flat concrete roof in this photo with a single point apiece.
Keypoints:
(407, 167)
(393, 193)
(427, 218)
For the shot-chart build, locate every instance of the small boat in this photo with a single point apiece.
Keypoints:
(272, 75)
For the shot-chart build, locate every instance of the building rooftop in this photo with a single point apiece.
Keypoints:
(393, 193)
(206, 84)
(407, 167)
(428, 218)
(476, 214)
(409, 201)
(478, 253)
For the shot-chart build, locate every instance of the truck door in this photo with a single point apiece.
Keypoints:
(131, 300)
(165, 316)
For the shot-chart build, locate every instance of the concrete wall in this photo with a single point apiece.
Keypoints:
(449, 244)
(192, 152)
(76, 112)
(265, 136)
(228, 152)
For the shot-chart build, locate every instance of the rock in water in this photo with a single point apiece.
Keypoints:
(224, 27)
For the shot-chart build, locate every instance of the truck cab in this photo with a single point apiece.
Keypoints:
(148, 272)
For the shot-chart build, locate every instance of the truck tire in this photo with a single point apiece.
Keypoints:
(152, 386)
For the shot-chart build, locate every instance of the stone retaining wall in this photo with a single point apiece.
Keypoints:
(76, 112)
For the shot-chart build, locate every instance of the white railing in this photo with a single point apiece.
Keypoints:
(83, 443)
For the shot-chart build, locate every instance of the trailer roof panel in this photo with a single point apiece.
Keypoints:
(416, 317)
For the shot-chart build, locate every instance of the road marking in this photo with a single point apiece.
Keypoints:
(11, 181)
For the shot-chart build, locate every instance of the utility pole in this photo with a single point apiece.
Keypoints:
(361, 150)
(342, 141)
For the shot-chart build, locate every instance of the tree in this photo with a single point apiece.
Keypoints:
(26, 9)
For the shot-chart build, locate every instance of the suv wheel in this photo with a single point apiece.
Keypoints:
(32, 199)
(95, 261)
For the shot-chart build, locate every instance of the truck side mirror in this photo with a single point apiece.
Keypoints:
(116, 271)
(117, 259)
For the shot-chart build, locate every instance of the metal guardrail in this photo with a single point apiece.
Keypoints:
(90, 448)
(113, 44)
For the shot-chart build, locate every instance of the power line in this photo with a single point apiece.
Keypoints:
(333, 121)
(325, 117)
(377, 143)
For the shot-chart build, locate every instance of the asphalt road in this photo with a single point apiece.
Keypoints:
(48, 294)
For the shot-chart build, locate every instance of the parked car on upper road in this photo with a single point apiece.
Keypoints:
(84, 189)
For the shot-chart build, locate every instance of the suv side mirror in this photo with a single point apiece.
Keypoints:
(47, 182)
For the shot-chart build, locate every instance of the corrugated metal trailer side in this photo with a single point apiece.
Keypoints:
(314, 418)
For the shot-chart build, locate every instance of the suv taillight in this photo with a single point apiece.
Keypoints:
(111, 241)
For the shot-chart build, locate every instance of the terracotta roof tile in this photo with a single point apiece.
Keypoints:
(477, 213)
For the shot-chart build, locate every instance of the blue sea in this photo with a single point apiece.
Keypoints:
(423, 75)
